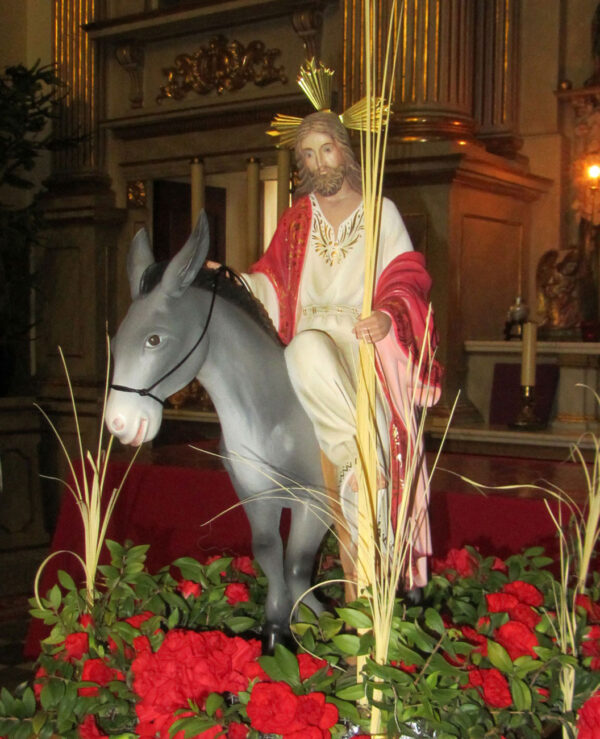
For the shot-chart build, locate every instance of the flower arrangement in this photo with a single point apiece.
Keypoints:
(177, 654)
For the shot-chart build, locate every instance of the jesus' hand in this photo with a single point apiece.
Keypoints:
(373, 328)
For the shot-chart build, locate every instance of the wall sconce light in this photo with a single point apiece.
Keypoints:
(593, 173)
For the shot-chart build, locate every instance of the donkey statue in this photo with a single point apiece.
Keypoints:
(186, 322)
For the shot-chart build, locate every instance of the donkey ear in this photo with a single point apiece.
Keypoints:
(186, 264)
(138, 259)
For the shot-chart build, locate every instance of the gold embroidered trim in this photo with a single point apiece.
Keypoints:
(331, 249)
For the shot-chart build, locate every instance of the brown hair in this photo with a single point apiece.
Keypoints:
(330, 124)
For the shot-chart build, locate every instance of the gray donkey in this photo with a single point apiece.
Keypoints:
(185, 322)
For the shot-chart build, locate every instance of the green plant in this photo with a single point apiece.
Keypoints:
(27, 107)
(175, 654)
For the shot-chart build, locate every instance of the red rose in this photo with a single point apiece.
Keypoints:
(272, 707)
(499, 565)
(588, 719)
(89, 730)
(237, 731)
(86, 620)
(138, 620)
(401, 665)
(501, 602)
(308, 665)
(475, 638)
(313, 717)
(591, 646)
(189, 588)
(254, 671)
(38, 682)
(543, 693)
(237, 592)
(141, 644)
(76, 645)
(492, 685)
(525, 614)
(244, 564)
(97, 671)
(592, 609)
(525, 592)
(188, 666)
(517, 639)
(460, 560)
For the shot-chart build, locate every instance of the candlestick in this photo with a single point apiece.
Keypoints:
(528, 355)
(527, 419)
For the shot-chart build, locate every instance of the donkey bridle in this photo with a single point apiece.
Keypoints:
(146, 392)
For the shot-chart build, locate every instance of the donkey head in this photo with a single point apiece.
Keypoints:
(160, 328)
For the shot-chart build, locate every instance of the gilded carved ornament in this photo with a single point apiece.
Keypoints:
(136, 194)
(221, 65)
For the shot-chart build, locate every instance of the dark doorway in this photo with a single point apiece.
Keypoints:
(172, 219)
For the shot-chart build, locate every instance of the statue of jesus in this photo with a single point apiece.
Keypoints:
(311, 282)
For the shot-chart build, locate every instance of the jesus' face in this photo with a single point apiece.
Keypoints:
(324, 161)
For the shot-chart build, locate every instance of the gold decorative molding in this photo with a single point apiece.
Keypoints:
(221, 65)
(136, 194)
(130, 56)
(308, 24)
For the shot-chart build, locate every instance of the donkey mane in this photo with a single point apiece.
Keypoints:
(227, 288)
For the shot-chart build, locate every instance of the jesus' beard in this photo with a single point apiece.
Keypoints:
(329, 182)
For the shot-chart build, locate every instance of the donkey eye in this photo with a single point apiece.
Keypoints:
(153, 340)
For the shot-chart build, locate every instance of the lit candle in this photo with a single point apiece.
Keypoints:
(528, 356)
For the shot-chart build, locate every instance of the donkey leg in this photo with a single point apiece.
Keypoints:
(267, 548)
(306, 532)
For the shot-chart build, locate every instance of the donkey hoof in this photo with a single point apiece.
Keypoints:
(274, 634)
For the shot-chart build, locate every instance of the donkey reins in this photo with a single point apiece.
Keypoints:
(146, 392)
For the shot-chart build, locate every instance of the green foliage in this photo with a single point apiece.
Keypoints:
(451, 670)
(27, 107)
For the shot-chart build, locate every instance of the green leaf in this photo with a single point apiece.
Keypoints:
(272, 668)
(66, 580)
(306, 614)
(239, 624)
(355, 618)
(347, 643)
(288, 663)
(213, 703)
(346, 709)
(499, 658)
(329, 625)
(351, 692)
(117, 551)
(191, 569)
(38, 722)
(521, 694)
(434, 622)
(29, 702)
(55, 597)
(214, 569)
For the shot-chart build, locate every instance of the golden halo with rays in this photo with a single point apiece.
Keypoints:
(315, 80)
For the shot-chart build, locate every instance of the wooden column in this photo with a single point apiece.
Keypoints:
(496, 79)
(253, 180)
(283, 180)
(433, 95)
(197, 181)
